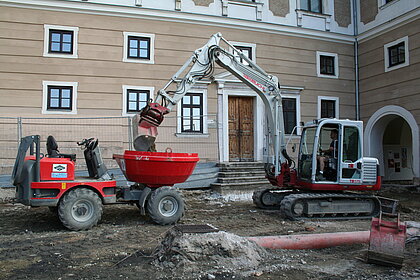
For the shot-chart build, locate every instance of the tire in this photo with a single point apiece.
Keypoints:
(80, 209)
(165, 206)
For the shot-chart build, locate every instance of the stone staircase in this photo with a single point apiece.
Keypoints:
(240, 177)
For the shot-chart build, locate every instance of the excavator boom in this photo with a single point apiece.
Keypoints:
(201, 65)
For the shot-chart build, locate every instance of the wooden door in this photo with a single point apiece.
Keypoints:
(241, 128)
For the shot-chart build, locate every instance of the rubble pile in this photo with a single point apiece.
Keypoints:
(221, 251)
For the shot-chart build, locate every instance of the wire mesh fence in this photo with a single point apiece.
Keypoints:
(114, 134)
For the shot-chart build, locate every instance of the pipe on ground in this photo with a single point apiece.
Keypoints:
(317, 241)
(311, 241)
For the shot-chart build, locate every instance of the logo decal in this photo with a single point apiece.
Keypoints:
(260, 86)
(59, 167)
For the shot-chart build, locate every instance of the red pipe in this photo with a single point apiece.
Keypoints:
(312, 241)
(317, 241)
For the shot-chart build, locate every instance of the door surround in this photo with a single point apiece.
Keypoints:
(375, 129)
(237, 89)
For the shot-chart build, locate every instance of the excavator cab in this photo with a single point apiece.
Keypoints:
(331, 154)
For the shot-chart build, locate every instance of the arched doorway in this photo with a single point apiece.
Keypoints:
(392, 136)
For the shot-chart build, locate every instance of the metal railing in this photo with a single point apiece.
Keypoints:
(114, 133)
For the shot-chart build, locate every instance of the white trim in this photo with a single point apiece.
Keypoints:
(386, 54)
(174, 16)
(152, 48)
(125, 88)
(45, 85)
(318, 65)
(47, 28)
(179, 133)
(337, 105)
(375, 128)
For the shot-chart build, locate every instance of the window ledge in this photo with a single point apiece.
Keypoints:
(245, 3)
(324, 18)
(192, 135)
(314, 14)
(386, 5)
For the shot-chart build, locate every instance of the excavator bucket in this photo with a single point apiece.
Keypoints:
(387, 241)
(150, 118)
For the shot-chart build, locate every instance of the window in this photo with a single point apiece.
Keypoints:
(328, 107)
(192, 119)
(59, 97)
(311, 5)
(135, 98)
(247, 49)
(396, 54)
(138, 47)
(289, 115)
(60, 41)
(192, 113)
(327, 65)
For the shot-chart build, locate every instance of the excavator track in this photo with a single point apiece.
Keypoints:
(331, 206)
(269, 199)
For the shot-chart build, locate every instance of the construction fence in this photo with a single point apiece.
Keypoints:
(115, 135)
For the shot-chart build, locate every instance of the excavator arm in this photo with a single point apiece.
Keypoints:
(201, 65)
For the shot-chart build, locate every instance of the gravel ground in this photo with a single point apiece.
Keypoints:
(34, 245)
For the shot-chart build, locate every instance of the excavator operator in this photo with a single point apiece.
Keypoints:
(330, 152)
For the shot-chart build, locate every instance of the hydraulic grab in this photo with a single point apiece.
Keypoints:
(316, 188)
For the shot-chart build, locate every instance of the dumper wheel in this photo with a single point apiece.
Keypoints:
(80, 209)
(165, 206)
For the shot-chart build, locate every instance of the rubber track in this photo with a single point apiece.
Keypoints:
(288, 202)
(257, 198)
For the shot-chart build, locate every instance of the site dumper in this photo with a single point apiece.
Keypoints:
(50, 180)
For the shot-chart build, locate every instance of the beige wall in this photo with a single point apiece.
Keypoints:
(100, 72)
(399, 87)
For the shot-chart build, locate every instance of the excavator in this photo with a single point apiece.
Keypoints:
(341, 190)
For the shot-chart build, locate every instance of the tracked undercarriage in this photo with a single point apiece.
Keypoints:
(300, 205)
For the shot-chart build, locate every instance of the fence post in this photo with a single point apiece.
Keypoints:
(19, 130)
(130, 134)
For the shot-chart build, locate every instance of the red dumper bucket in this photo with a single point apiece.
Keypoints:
(157, 169)
(387, 241)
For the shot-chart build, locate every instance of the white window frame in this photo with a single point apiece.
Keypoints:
(47, 29)
(297, 97)
(386, 54)
(179, 132)
(125, 89)
(247, 45)
(337, 105)
(318, 65)
(152, 48)
(45, 85)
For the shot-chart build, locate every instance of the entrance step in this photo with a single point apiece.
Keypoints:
(240, 177)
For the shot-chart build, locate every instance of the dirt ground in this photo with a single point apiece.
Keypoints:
(34, 245)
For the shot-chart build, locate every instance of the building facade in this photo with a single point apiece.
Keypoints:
(389, 79)
(106, 58)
